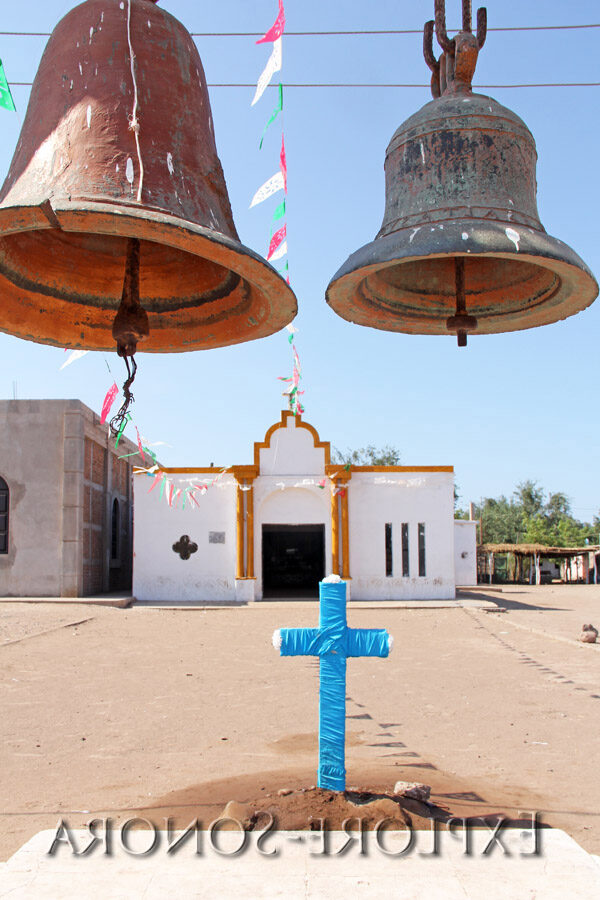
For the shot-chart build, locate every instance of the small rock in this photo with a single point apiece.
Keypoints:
(588, 634)
(283, 792)
(413, 790)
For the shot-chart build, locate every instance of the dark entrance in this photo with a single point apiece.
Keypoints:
(293, 560)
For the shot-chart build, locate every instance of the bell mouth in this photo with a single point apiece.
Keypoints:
(200, 288)
(406, 281)
(423, 292)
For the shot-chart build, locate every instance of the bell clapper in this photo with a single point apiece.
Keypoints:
(460, 322)
(130, 326)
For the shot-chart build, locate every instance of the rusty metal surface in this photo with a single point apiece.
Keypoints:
(70, 204)
(461, 197)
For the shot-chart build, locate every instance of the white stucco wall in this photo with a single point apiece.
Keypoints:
(375, 499)
(287, 492)
(292, 452)
(159, 573)
(465, 552)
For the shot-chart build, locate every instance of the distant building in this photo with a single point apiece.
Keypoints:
(65, 502)
(275, 526)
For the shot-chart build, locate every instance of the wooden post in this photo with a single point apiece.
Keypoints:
(335, 531)
(239, 573)
(345, 536)
(250, 532)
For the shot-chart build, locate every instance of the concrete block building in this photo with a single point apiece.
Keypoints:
(273, 527)
(65, 502)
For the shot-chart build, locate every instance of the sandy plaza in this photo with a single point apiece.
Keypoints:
(191, 709)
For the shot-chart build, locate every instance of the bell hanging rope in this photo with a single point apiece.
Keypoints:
(461, 248)
(115, 223)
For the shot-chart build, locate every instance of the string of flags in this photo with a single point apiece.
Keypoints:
(293, 392)
(187, 489)
(6, 98)
(278, 248)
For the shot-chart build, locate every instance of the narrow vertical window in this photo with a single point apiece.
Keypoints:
(3, 516)
(405, 562)
(115, 543)
(389, 558)
(421, 549)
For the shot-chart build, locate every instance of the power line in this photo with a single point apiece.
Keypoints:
(249, 84)
(363, 31)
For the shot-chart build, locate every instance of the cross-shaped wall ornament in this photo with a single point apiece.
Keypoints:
(332, 642)
(185, 547)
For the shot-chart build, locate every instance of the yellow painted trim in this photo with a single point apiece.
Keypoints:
(239, 571)
(250, 532)
(264, 445)
(213, 470)
(335, 534)
(339, 470)
(345, 536)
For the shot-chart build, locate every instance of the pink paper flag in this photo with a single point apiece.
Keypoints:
(171, 494)
(283, 164)
(276, 29)
(277, 239)
(139, 443)
(108, 402)
(157, 478)
(280, 252)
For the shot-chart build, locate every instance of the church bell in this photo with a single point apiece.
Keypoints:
(461, 249)
(115, 223)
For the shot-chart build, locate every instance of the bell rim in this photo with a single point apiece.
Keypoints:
(124, 220)
(410, 245)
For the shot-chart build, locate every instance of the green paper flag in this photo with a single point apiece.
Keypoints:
(274, 115)
(6, 99)
(279, 211)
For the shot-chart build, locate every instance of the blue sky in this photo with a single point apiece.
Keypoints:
(510, 406)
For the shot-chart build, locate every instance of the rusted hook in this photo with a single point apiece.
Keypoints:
(432, 62)
(466, 15)
(481, 26)
(444, 41)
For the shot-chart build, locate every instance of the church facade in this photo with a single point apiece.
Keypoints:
(274, 527)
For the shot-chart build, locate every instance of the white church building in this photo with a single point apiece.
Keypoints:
(274, 527)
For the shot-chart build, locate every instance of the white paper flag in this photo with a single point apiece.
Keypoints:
(273, 65)
(76, 354)
(269, 188)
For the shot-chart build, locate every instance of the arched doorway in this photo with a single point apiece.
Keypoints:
(291, 526)
(293, 559)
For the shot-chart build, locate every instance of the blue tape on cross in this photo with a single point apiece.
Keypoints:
(333, 642)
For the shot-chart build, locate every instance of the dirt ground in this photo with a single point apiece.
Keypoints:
(110, 712)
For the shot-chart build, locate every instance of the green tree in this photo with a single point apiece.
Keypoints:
(501, 520)
(530, 496)
(368, 456)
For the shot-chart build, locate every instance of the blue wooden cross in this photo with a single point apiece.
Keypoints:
(333, 642)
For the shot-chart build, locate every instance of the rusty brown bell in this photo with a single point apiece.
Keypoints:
(461, 248)
(115, 201)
